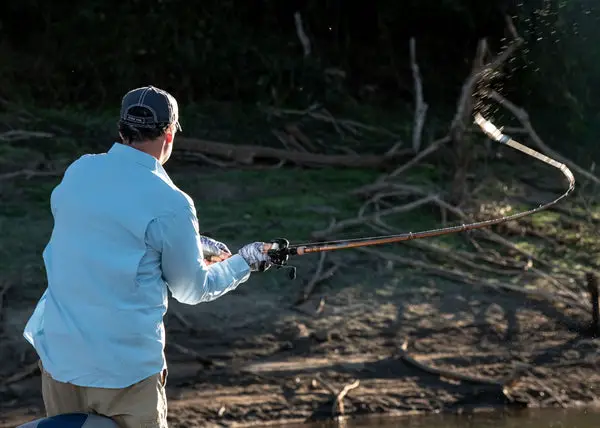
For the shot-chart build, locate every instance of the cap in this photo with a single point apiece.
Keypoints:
(159, 108)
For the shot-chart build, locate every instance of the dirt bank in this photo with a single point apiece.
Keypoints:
(266, 361)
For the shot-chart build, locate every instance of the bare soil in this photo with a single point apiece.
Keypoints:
(253, 358)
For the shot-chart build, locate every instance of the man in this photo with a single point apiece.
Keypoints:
(123, 235)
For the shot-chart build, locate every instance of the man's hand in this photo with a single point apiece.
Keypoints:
(256, 255)
(214, 251)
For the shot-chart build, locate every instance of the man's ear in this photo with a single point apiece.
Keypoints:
(169, 136)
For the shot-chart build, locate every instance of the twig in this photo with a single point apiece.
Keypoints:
(288, 140)
(295, 132)
(356, 221)
(314, 280)
(304, 40)
(332, 120)
(430, 149)
(338, 402)
(492, 236)
(420, 105)
(339, 399)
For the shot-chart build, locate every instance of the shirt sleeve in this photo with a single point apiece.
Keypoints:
(188, 277)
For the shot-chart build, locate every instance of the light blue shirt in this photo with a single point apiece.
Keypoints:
(123, 236)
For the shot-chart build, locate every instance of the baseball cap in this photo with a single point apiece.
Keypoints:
(157, 108)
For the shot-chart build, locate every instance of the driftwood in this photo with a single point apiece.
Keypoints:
(338, 396)
(249, 154)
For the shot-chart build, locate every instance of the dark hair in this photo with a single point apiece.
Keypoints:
(133, 134)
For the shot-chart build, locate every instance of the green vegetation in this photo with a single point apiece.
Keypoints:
(246, 204)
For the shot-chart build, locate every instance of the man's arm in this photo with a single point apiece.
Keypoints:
(187, 275)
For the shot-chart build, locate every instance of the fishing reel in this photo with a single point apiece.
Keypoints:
(279, 253)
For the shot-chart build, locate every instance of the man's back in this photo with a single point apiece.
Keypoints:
(123, 237)
(106, 297)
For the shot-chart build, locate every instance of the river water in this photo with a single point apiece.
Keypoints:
(525, 419)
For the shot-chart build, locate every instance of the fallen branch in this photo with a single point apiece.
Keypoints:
(338, 402)
(16, 135)
(339, 399)
(248, 155)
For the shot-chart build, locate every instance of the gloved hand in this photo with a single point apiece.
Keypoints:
(214, 251)
(256, 256)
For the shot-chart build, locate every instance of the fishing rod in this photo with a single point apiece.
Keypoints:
(280, 249)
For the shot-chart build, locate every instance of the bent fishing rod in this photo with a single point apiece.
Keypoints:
(280, 249)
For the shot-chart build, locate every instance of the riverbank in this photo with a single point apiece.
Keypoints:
(493, 318)
(271, 363)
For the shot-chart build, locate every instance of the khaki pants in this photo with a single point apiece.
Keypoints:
(142, 405)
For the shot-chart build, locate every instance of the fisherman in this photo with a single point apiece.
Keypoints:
(124, 234)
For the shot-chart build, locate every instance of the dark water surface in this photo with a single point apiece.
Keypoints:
(525, 419)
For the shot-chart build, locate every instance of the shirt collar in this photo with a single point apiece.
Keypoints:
(130, 154)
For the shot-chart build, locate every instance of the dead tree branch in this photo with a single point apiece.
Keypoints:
(304, 40)
(248, 155)
(420, 105)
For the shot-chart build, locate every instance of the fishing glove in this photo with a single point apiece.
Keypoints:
(212, 248)
(256, 256)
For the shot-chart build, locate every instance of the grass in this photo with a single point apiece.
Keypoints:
(245, 205)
